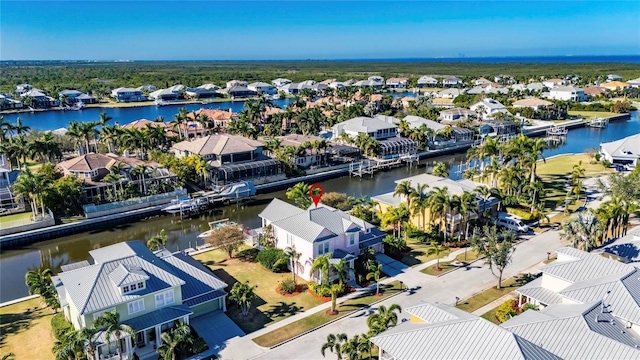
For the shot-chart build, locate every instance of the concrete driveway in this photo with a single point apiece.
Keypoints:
(217, 330)
(389, 266)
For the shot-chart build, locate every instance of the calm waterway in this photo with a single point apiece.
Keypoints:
(183, 234)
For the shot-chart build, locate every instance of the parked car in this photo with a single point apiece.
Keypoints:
(511, 222)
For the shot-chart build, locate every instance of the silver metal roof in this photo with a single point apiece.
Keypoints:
(158, 317)
(535, 290)
(580, 265)
(127, 274)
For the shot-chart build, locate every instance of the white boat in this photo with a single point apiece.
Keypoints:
(160, 103)
(235, 191)
(185, 205)
(79, 106)
(215, 225)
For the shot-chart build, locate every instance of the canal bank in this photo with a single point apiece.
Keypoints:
(183, 234)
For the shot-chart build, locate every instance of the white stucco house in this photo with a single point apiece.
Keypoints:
(623, 151)
(317, 231)
(568, 93)
(487, 108)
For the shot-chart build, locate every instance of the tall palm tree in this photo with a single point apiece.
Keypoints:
(87, 337)
(582, 229)
(334, 344)
(104, 118)
(375, 272)
(158, 241)
(20, 128)
(30, 186)
(294, 256)
(383, 319)
(69, 346)
(45, 148)
(110, 322)
(436, 249)
(535, 152)
(39, 282)
(172, 340)
(404, 190)
(299, 193)
(111, 136)
(141, 172)
(341, 269)
(112, 178)
(322, 265)
(468, 204)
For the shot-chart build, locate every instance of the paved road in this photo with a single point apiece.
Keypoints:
(462, 283)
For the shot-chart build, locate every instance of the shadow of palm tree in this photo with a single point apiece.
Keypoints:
(282, 309)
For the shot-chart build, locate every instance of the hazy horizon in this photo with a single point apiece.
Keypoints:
(310, 30)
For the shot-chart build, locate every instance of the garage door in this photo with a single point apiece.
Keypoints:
(205, 308)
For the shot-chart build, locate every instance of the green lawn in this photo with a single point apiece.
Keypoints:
(483, 298)
(418, 252)
(312, 321)
(25, 330)
(592, 114)
(446, 266)
(269, 306)
(556, 172)
(491, 315)
(15, 217)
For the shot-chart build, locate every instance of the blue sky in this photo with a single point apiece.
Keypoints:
(217, 30)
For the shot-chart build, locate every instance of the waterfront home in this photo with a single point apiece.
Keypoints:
(308, 157)
(39, 98)
(406, 101)
(201, 93)
(262, 88)
(623, 151)
(147, 88)
(427, 81)
(233, 83)
(453, 222)
(532, 103)
(91, 169)
(23, 88)
(442, 103)
(150, 291)
(439, 138)
(568, 93)
(593, 90)
(452, 81)
(634, 83)
(375, 82)
(209, 86)
(488, 88)
(220, 118)
(166, 95)
(7, 102)
(123, 94)
(456, 114)
(396, 83)
(280, 82)
(487, 108)
(142, 124)
(237, 92)
(615, 85)
(572, 332)
(386, 132)
(337, 85)
(317, 231)
(498, 128)
(614, 77)
(551, 83)
(232, 158)
(450, 93)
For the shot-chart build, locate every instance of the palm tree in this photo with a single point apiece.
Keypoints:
(158, 241)
(19, 128)
(112, 178)
(104, 118)
(30, 186)
(383, 319)
(441, 169)
(87, 337)
(141, 171)
(172, 340)
(436, 249)
(468, 204)
(69, 346)
(243, 294)
(582, 229)
(334, 290)
(341, 269)
(39, 282)
(354, 348)
(111, 136)
(110, 322)
(334, 344)
(293, 255)
(404, 190)
(322, 265)
(299, 193)
(375, 272)
(535, 152)
(180, 122)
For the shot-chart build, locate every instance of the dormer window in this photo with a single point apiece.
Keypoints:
(129, 278)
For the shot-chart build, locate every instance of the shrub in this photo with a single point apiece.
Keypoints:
(507, 310)
(319, 289)
(525, 215)
(288, 286)
(273, 259)
(60, 325)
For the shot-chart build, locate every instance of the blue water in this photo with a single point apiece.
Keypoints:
(568, 59)
(56, 119)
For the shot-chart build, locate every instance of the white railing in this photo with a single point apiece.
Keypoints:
(92, 208)
(27, 221)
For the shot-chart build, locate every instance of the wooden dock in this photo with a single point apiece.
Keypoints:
(370, 166)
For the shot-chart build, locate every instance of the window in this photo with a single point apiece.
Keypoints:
(133, 287)
(164, 298)
(125, 289)
(352, 239)
(140, 285)
(136, 306)
(323, 248)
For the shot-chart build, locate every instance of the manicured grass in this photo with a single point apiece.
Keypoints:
(15, 217)
(25, 330)
(491, 316)
(269, 306)
(447, 266)
(592, 114)
(312, 321)
(418, 252)
(483, 298)
(555, 174)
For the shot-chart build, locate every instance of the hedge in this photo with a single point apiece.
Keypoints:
(60, 325)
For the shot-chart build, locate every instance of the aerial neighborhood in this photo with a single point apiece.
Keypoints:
(374, 217)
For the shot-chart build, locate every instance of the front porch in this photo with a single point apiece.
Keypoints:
(147, 338)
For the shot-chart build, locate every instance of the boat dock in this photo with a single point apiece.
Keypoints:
(598, 123)
(369, 166)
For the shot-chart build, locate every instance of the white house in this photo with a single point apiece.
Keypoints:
(634, 83)
(488, 107)
(280, 82)
(457, 113)
(262, 88)
(452, 81)
(551, 83)
(568, 93)
(374, 127)
(123, 94)
(481, 81)
(396, 83)
(233, 83)
(614, 77)
(449, 93)
(427, 81)
(317, 231)
(623, 151)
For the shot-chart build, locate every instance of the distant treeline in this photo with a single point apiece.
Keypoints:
(99, 78)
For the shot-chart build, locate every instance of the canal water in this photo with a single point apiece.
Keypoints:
(56, 119)
(183, 233)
